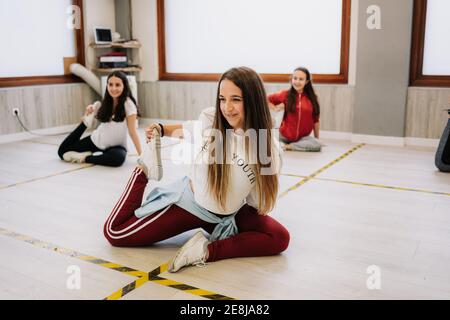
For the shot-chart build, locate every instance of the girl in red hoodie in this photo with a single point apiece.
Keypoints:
(302, 112)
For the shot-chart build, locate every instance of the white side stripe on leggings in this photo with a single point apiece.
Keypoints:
(122, 198)
(143, 221)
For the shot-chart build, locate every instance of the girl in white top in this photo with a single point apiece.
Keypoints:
(117, 114)
(231, 188)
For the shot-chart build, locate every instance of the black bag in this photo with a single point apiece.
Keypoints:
(442, 159)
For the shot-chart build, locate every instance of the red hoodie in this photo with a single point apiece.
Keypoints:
(300, 123)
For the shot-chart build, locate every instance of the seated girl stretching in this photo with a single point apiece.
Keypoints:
(302, 112)
(229, 191)
(117, 114)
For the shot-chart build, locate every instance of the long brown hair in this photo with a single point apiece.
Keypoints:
(257, 116)
(107, 112)
(308, 90)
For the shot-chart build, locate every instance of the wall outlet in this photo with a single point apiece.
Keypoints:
(16, 111)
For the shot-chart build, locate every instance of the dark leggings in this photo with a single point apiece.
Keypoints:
(111, 157)
(442, 159)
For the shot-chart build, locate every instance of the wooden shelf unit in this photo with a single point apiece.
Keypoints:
(131, 49)
(109, 70)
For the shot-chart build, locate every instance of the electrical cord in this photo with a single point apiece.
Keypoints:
(34, 133)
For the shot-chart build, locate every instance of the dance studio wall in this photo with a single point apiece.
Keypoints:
(417, 114)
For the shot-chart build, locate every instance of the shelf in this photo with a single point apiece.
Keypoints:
(109, 70)
(127, 48)
(125, 45)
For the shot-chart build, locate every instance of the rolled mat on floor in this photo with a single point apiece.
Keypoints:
(442, 159)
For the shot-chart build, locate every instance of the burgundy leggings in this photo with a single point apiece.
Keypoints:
(258, 235)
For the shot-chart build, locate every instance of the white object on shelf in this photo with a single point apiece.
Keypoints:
(116, 36)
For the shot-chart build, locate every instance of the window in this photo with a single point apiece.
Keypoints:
(200, 39)
(430, 53)
(41, 42)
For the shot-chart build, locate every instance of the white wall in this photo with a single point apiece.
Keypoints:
(145, 30)
(96, 13)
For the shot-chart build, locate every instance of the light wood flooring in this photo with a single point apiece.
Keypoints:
(342, 220)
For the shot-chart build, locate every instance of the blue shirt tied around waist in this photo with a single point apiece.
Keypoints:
(180, 193)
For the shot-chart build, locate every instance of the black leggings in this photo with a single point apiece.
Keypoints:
(111, 157)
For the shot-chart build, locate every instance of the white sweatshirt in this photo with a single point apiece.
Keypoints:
(242, 184)
(111, 134)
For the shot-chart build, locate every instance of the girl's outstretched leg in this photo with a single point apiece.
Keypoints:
(72, 139)
(124, 229)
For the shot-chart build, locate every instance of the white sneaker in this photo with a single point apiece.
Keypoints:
(193, 252)
(76, 157)
(89, 119)
(150, 158)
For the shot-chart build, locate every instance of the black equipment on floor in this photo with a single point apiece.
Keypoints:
(442, 159)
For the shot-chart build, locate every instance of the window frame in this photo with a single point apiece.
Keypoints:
(341, 78)
(417, 78)
(54, 79)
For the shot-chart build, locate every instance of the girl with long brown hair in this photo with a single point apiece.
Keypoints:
(117, 114)
(301, 113)
(229, 192)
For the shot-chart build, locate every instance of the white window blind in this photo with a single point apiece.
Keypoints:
(210, 36)
(35, 37)
(436, 60)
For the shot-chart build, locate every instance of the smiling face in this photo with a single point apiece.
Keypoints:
(232, 104)
(115, 87)
(299, 80)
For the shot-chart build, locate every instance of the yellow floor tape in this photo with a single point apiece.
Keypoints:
(87, 165)
(72, 253)
(143, 276)
(41, 142)
(153, 276)
(313, 175)
(372, 185)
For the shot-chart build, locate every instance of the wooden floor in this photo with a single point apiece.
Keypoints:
(382, 206)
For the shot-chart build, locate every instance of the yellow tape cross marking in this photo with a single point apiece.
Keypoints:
(143, 276)
(311, 176)
(136, 283)
(157, 271)
(128, 288)
(187, 288)
(153, 276)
